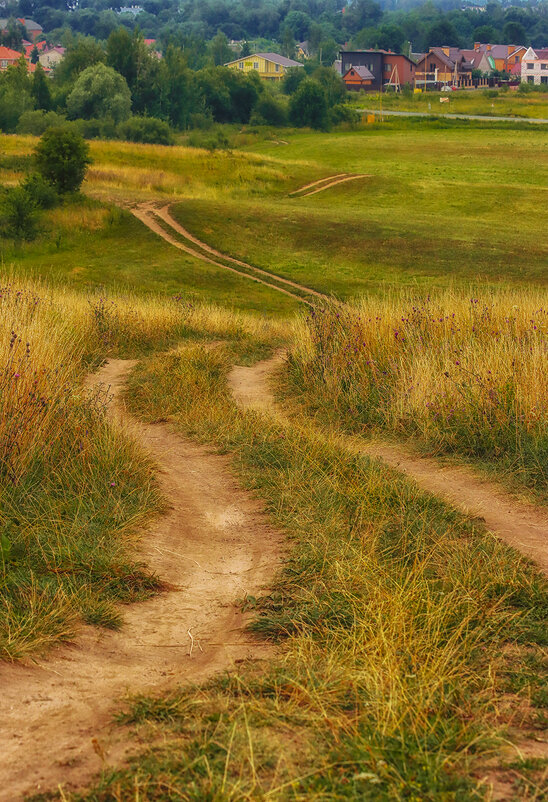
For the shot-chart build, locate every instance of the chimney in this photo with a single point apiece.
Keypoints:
(477, 45)
(445, 49)
(488, 48)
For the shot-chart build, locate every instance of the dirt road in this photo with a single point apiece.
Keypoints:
(524, 526)
(214, 545)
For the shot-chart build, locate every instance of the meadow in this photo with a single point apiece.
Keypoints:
(410, 654)
(490, 102)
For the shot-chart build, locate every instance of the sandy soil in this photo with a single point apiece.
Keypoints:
(520, 524)
(214, 545)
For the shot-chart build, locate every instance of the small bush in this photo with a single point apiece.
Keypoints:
(37, 122)
(340, 114)
(62, 158)
(41, 192)
(146, 129)
(104, 128)
(18, 214)
(201, 121)
(269, 111)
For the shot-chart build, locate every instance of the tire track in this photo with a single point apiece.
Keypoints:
(149, 214)
(520, 524)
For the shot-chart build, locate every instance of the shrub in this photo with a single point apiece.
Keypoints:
(18, 214)
(343, 114)
(269, 110)
(37, 122)
(308, 106)
(41, 192)
(99, 92)
(62, 157)
(146, 129)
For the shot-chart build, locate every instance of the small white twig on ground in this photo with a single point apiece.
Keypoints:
(189, 633)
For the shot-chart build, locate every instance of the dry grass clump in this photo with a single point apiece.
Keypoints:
(461, 373)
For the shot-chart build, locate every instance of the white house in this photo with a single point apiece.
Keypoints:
(534, 67)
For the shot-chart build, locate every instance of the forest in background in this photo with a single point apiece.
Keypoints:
(280, 24)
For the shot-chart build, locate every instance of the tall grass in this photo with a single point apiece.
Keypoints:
(460, 373)
(393, 612)
(74, 489)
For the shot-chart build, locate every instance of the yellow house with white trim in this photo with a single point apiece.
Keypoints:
(269, 65)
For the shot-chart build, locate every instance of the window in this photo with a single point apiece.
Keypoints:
(530, 66)
(516, 59)
(255, 65)
(387, 67)
(544, 79)
(530, 79)
(241, 65)
(432, 66)
(3, 63)
(544, 66)
(277, 68)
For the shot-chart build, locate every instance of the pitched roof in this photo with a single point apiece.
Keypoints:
(8, 54)
(542, 53)
(363, 72)
(29, 24)
(281, 60)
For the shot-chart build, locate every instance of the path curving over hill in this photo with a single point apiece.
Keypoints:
(325, 183)
(150, 213)
(523, 526)
(213, 546)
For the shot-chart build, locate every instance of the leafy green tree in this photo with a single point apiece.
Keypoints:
(18, 214)
(219, 51)
(288, 42)
(246, 50)
(292, 80)
(269, 110)
(15, 95)
(177, 88)
(333, 85)
(514, 33)
(84, 53)
(34, 55)
(442, 33)
(308, 105)
(40, 89)
(485, 34)
(121, 54)
(62, 158)
(100, 92)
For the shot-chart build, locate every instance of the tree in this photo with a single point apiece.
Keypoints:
(81, 55)
(40, 89)
(34, 55)
(442, 33)
(288, 42)
(18, 214)
(308, 106)
(514, 33)
(15, 96)
(219, 50)
(246, 50)
(292, 79)
(62, 158)
(332, 83)
(100, 92)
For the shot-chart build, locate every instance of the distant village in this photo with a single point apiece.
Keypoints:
(367, 70)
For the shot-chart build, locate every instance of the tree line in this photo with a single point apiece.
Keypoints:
(122, 89)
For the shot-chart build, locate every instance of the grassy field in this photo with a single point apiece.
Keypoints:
(411, 643)
(491, 102)
(399, 664)
(439, 206)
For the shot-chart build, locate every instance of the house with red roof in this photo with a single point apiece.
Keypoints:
(51, 56)
(8, 57)
(33, 29)
(357, 78)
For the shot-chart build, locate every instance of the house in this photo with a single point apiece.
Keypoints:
(8, 57)
(270, 66)
(29, 47)
(303, 49)
(534, 66)
(447, 65)
(358, 78)
(386, 68)
(479, 60)
(33, 29)
(501, 57)
(50, 57)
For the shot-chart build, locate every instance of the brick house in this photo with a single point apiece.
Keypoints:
(382, 64)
